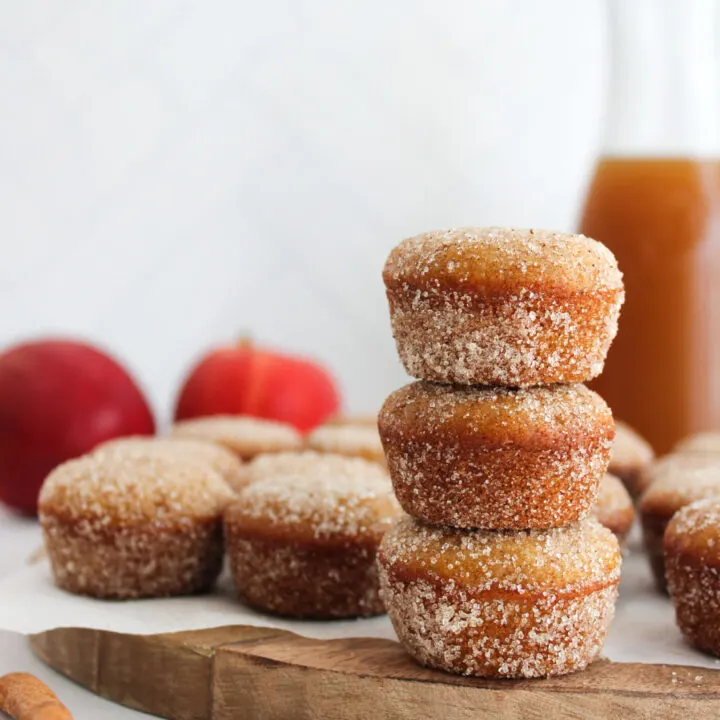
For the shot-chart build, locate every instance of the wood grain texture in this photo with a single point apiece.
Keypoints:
(254, 673)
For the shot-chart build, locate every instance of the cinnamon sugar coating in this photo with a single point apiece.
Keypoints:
(692, 560)
(360, 441)
(129, 527)
(303, 544)
(243, 435)
(224, 462)
(701, 443)
(694, 531)
(674, 482)
(354, 420)
(304, 462)
(500, 604)
(501, 306)
(614, 507)
(631, 454)
(497, 458)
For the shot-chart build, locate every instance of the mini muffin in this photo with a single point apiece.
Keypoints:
(361, 419)
(692, 561)
(306, 462)
(349, 440)
(245, 436)
(614, 507)
(303, 544)
(224, 462)
(707, 443)
(674, 482)
(631, 454)
(133, 527)
(501, 306)
(497, 458)
(500, 604)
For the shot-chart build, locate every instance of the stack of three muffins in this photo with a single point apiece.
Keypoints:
(497, 452)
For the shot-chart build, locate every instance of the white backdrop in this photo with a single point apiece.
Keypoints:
(174, 174)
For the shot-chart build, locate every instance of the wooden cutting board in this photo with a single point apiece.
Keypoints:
(258, 673)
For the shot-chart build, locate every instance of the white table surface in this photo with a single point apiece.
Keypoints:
(19, 537)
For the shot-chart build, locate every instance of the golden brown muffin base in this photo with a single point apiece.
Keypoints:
(518, 338)
(320, 580)
(121, 563)
(653, 531)
(500, 604)
(694, 586)
(497, 633)
(515, 489)
(692, 565)
(448, 467)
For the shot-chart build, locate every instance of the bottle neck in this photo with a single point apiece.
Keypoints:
(663, 87)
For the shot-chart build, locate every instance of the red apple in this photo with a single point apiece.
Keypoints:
(245, 380)
(58, 399)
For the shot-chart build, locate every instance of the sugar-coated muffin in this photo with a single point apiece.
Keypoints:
(692, 564)
(355, 419)
(674, 482)
(631, 454)
(614, 507)
(226, 463)
(132, 527)
(303, 462)
(500, 604)
(496, 458)
(245, 436)
(502, 306)
(701, 443)
(361, 441)
(303, 542)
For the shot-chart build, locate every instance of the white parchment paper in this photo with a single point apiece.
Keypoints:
(644, 628)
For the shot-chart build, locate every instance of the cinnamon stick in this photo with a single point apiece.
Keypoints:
(24, 697)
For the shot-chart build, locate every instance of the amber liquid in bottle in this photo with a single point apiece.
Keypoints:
(661, 219)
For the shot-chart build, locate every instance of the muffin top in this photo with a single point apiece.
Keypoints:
(351, 440)
(612, 498)
(153, 491)
(224, 462)
(707, 442)
(677, 480)
(614, 507)
(496, 259)
(498, 416)
(517, 561)
(361, 419)
(337, 499)
(304, 462)
(630, 450)
(245, 436)
(695, 530)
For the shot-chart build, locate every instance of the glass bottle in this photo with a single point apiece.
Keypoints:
(655, 202)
